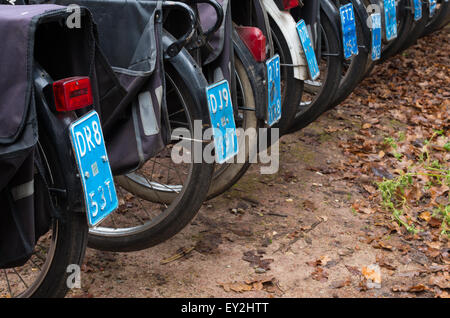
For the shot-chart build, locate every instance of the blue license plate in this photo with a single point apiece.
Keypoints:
(390, 18)
(308, 49)
(376, 36)
(93, 165)
(417, 10)
(348, 24)
(222, 121)
(433, 4)
(274, 87)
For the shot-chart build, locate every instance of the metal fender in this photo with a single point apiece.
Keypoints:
(328, 7)
(257, 75)
(185, 65)
(288, 26)
(361, 12)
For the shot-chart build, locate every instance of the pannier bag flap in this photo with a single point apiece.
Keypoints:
(126, 32)
(129, 75)
(25, 214)
(208, 19)
(17, 27)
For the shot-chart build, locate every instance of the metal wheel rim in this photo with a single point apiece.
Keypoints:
(171, 193)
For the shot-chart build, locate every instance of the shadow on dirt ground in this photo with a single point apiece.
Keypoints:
(326, 225)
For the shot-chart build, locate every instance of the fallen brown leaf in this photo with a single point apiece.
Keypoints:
(441, 280)
(182, 252)
(383, 245)
(372, 273)
(383, 262)
(268, 284)
(353, 270)
(341, 283)
(426, 216)
(410, 289)
(320, 275)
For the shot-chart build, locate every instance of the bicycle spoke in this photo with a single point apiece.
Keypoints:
(163, 165)
(145, 210)
(176, 113)
(8, 284)
(179, 123)
(35, 264)
(20, 277)
(39, 256)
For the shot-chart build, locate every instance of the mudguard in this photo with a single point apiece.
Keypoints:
(287, 25)
(257, 75)
(361, 12)
(56, 127)
(252, 13)
(328, 7)
(186, 66)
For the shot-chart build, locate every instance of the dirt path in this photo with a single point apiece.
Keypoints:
(313, 229)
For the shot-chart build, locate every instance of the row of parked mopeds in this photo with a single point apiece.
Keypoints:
(120, 118)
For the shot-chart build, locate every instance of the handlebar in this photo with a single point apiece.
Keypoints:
(178, 45)
(219, 12)
(201, 38)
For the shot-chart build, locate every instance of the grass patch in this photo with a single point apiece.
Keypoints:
(425, 175)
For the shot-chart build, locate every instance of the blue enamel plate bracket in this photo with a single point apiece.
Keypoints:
(93, 166)
(432, 5)
(390, 18)
(222, 121)
(417, 10)
(349, 37)
(274, 90)
(308, 49)
(376, 36)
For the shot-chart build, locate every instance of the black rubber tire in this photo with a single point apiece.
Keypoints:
(329, 88)
(169, 223)
(418, 28)
(405, 25)
(70, 249)
(70, 245)
(231, 174)
(440, 20)
(353, 76)
(293, 88)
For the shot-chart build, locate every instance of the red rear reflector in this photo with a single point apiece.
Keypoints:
(255, 40)
(72, 93)
(289, 4)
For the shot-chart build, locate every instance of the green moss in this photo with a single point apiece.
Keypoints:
(396, 124)
(325, 137)
(303, 153)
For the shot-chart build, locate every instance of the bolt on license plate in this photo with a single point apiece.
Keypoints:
(376, 36)
(432, 6)
(93, 165)
(348, 24)
(308, 49)
(274, 90)
(222, 120)
(390, 18)
(417, 10)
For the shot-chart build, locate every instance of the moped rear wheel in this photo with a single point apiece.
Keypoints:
(226, 175)
(351, 69)
(319, 94)
(160, 199)
(405, 23)
(440, 19)
(418, 28)
(291, 88)
(46, 273)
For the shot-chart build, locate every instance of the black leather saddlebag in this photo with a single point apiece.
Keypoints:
(25, 209)
(129, 74)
